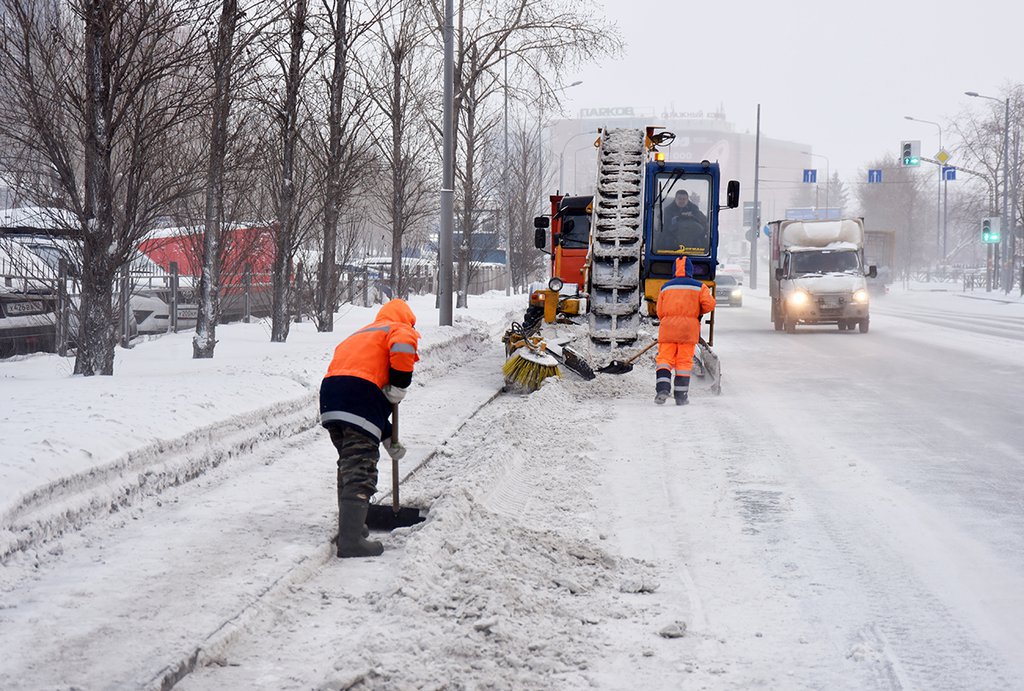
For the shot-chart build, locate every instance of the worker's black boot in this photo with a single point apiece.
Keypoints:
(662, 385)
(682, 389)
(351, 524)
(341, 484)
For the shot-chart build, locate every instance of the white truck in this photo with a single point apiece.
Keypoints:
(817, 274)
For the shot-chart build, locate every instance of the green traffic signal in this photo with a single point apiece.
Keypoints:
(990, 231)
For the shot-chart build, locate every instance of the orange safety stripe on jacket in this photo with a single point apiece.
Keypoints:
(681, 303)
(388, 343)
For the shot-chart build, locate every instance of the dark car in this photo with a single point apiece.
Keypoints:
(728, 291)
(28, 321)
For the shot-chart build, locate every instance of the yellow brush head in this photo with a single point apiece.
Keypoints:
(525, 370)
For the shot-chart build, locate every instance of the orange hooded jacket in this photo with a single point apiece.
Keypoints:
(682, 301)
(379, 354)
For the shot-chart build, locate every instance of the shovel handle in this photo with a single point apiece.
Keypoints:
(395, 503)
(637, 356)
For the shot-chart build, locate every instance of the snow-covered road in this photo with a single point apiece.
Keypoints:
(848, 514)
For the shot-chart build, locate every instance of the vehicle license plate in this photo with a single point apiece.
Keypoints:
(33, 307)
(188, 312)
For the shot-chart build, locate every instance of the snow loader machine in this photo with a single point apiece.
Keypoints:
(611, 253)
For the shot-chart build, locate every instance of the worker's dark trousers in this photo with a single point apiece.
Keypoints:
(357, 463)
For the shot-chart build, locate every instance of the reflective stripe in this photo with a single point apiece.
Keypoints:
(668, 379)
(403, 348)
(373, 328)
(697, 288)
(357, 420)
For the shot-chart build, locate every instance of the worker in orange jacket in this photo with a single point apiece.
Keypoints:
(682, 302)
(371, 370)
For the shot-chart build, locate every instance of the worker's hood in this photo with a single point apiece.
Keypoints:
(684, 267)
(397, 310)
(829, 283)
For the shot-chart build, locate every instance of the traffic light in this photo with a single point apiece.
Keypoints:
(911, 153)
(990, 230)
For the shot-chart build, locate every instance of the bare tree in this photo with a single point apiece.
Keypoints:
(397, 91)
(899, 205)
(545, 36)
(226, 59)
(96, 93)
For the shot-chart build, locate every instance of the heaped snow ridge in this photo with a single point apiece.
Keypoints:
(74, 500)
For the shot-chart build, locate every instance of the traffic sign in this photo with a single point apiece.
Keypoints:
(949, 172)
(942, 157)
(875, 175)
(811, 175)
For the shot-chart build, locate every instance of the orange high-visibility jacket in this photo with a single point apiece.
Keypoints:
(681, 303)
(379, 354)
(389, 343)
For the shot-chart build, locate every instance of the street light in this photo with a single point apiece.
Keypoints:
(540, 132)
(940, 231)
(561, 160)
(1008, 279)
(827, 178)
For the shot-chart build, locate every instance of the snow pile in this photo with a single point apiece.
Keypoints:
(508, 580)
(822, 233)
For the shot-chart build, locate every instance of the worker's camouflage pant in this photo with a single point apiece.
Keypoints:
(357, 463)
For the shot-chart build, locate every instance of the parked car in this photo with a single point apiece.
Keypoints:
(728, 291)
(28, 305)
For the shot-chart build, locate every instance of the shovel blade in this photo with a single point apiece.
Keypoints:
(616, 367)
(383, 517)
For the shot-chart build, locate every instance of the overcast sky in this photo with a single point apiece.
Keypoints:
(840, 76)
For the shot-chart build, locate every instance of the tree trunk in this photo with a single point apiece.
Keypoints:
(287, 221)
(205, 340)
(97, 332)
(327, 283)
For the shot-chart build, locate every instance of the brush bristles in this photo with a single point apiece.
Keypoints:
(525, 375)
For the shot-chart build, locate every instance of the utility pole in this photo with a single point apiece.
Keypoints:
(504, 183)
(445, 240)
(756, 216)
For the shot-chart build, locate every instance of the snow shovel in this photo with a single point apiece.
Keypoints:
(383, 517)
(620, 366)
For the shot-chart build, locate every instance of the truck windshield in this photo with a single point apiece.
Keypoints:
(825, 262)
(682, 207)
(575, 233)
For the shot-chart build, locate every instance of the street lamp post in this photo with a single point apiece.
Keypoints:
(444, 263)
(1006, 230)
(540, 134)
(940, 234)
(561, 161)
(828, 178)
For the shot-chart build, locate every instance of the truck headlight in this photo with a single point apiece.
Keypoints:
(798, 298)
(860, 296)
(737, 293)
(555, 284)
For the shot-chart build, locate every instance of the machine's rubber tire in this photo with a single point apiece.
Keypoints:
(789, 326)
(863, 326)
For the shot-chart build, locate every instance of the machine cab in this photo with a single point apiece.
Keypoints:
(681, 219)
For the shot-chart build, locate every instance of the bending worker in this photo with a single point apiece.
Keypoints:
(681, 304)
(371, 370)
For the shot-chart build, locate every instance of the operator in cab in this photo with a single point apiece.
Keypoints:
(686, 224)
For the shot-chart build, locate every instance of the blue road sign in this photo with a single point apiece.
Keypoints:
(875, 175)
(767, 230)
(949, 172)
(811, 175)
